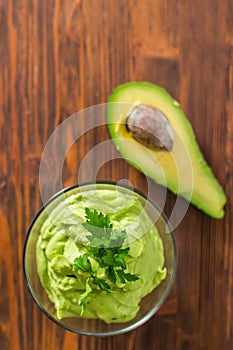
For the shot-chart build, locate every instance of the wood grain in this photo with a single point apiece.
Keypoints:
(58, 57)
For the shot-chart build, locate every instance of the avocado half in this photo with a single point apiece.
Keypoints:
(182, 170)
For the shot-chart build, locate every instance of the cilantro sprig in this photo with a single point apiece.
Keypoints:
(106, 248)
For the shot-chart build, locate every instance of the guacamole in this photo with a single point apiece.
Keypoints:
(63, 238)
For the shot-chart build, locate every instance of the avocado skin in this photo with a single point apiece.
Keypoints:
(206, 192)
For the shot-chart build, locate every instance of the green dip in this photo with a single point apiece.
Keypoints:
(63, 238)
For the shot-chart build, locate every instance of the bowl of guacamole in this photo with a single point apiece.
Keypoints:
(99, 258)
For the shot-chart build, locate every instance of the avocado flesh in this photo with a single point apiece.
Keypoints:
(182, 170)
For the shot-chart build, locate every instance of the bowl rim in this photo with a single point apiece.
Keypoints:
(149, 314)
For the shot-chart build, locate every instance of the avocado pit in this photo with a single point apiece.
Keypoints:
(149, 126)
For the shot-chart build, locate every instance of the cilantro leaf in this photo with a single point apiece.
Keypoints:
(130, 277)
(98, 219)
(120, 258)
(102, 284)
(117, 238)
(83, 263)
(120, 261)
(123, 277)
(110, 272)
(119, 276)
(108, 258)
(98, 253)
(99, 227)
(106, 248)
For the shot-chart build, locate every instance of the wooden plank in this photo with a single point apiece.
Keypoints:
(58, 57)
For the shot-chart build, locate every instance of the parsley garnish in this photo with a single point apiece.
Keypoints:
(106, 248)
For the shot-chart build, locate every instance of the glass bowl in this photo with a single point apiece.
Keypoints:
(149, 305)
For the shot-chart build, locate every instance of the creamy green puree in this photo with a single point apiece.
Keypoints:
(63, 238)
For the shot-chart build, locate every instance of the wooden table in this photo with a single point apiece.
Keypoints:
(58, 57)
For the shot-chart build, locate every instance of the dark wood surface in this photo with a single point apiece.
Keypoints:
(57, 57)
